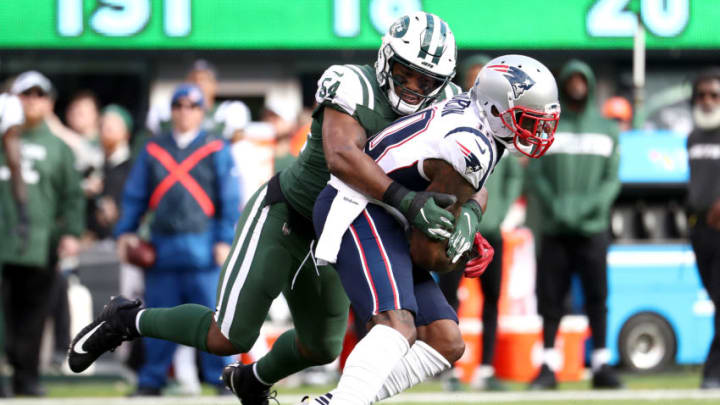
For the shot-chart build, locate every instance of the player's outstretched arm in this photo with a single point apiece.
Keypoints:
(343, 142)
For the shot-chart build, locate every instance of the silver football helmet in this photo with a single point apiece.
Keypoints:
(519, 98)
(421, 42)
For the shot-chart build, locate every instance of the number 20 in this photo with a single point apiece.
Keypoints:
(664, 18)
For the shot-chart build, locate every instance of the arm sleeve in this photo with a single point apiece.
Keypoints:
(228, 196)
(135, 196)
(71, 215)
(470, 152)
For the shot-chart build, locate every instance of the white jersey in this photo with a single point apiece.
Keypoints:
(11, 112)
(453, 131)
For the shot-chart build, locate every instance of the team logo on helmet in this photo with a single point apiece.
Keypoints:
(519, 80)
(400, 27)
(472, 163)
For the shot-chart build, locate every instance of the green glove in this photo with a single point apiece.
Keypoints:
(425, 210)
(467, 225)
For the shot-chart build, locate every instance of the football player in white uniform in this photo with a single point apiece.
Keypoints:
(449, 148)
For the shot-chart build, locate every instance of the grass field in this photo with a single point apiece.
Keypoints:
(678, 386)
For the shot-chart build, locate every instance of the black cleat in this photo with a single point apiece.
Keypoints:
(606, 378)
(545, 380)
(240, 379)
(114, 326)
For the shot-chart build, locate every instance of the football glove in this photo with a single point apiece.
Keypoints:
(485, 253)
(466, 226)
(424, 210)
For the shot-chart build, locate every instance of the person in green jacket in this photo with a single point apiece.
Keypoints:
(570, 193)
(55, 209)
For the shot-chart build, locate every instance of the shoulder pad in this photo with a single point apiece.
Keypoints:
(470, 151)
(346, 87)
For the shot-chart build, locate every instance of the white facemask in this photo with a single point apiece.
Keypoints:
(706, 120)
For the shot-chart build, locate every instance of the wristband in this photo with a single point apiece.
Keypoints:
(474, 206)
(395, 194)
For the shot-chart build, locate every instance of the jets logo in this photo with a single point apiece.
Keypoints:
(400, 27)
(472, 163)
(519, 80)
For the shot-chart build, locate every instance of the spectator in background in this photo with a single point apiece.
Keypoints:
(83, 115)
(55, 211)
(202, 74)
(503, 187)
(115, 130)
(571, 191)
(469, 69)
(81, 135)
(619, 109)
(188, 178)
(281, 112)
(251, 156)
(703, 146)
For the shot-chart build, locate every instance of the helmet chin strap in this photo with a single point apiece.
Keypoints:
(397, 103)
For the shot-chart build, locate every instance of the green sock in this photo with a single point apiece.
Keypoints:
(187, 324)
(283, 359)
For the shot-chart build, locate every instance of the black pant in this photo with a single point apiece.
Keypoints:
(560, 257)
(490, 285)
(60, 313)
(706, 243)
(26, 300)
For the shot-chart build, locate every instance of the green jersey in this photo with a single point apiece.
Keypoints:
(354, 90)
(56, 204)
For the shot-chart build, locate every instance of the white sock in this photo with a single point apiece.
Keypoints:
(599, 358)
(551, 357)
(368, 366)
(420, 363)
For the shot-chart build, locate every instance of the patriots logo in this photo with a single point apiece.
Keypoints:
(519, 80)
(472, 163)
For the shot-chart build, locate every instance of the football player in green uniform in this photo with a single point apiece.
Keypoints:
(274, 243)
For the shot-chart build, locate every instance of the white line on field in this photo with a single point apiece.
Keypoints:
(424, 397)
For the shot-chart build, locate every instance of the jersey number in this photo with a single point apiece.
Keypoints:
(399, 132)
(328, 88)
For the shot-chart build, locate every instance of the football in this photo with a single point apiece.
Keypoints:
(141, 255)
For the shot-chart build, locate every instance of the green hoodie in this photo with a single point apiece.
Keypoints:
(572, 188)
(504, 187)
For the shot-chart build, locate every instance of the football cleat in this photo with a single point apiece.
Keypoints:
(113, 326)
(240, 379)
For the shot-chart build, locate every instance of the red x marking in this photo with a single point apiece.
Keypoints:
(180, 172)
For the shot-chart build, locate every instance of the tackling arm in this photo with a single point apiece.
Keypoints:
(343, 142)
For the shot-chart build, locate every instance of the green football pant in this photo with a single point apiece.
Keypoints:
(268, 257)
